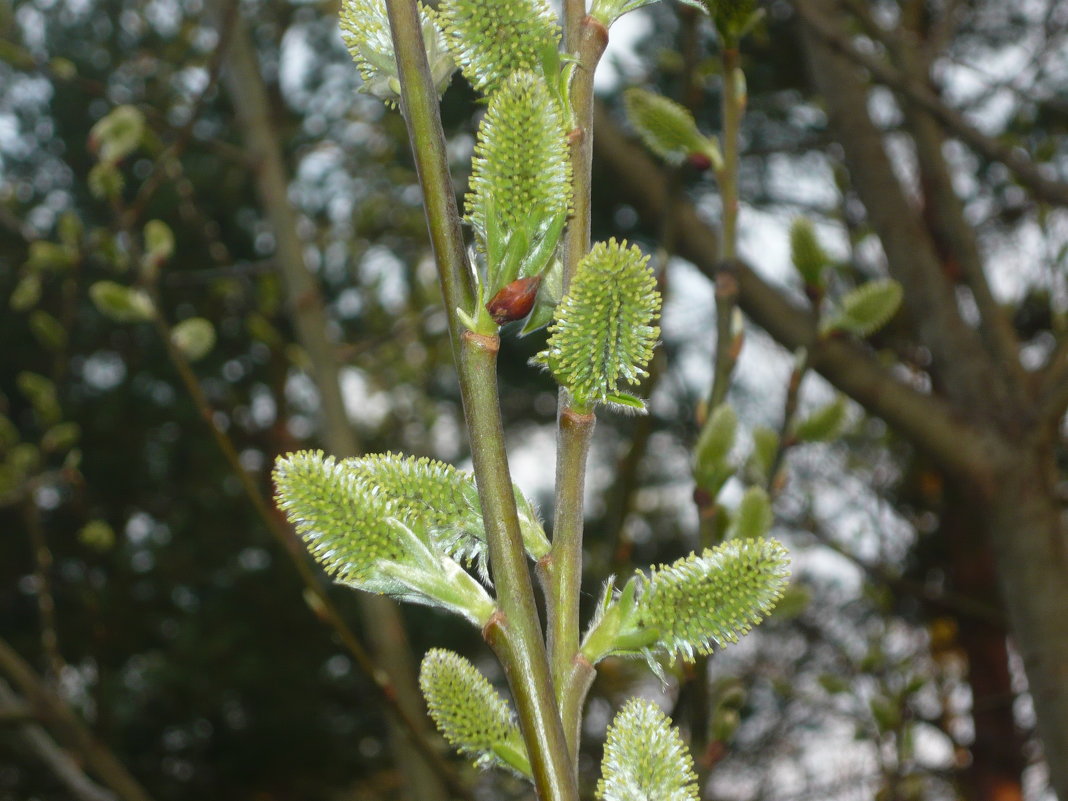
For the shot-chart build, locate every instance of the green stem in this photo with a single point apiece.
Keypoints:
(561, 571)
(515, 634)
(733, 109)
(593, 38)
(419, 104)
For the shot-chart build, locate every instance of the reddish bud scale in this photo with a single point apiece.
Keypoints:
(514, 301)
(699, 161)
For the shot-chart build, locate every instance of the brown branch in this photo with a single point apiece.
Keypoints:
(71, 730)
(961, 364)
(63, 766)
(925, 420)
(1026, 171)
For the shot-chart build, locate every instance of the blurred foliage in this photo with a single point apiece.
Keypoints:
(183, 637)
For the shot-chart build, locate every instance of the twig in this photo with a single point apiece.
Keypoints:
(61, 717)
(1026, 171)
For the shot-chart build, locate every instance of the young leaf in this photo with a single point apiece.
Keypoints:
(602, 336)
(866, 309)
(823, 424)
(365, 30)
(470, 713)
(753, 517)
(645, 758)
(492, 39)
(667, 128)
(608, 11)
(809, 258)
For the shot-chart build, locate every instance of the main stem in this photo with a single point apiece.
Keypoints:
(515, 632)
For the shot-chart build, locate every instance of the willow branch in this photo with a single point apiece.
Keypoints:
(63, 766)
(515, 633)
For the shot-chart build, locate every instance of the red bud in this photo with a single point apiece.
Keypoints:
(514, 301)
(699, 161)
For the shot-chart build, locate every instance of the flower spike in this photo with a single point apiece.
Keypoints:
(365, 29)
(470, 713)
(603, 334)
(494, 38)
(645, 758)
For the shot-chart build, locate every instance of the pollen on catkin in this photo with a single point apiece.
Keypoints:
(699, 602)
(345, 525)
(645, 758)
(521, 157)
(603, 334)
(466, 708)
(491, 39)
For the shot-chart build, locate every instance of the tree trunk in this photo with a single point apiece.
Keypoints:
(1030, 548)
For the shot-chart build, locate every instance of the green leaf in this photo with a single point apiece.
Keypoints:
(365, 30)
(711, 458)
(194, 337)
(753, 517)
(48, 331)
(602, 336)
(521, 175)
(26, 292)
(608, 11)
(668, 128)
(866, 309)
(645, 758)
(117, 134)
(120, 303)
(809, 258)
(470, 713)
(492, 39)
(824, 424)
(626, 402)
